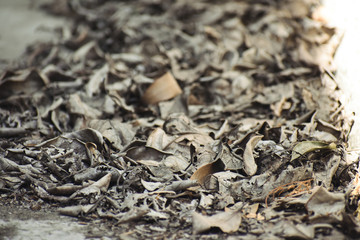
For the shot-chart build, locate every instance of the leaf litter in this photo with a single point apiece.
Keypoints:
(173, 119)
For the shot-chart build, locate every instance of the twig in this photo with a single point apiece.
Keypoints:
(295, 188)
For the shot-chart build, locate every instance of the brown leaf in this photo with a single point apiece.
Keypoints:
(228, 222)
(250, 166)
(99, 186)
(201, 174)
(164, 88)
(66, 189)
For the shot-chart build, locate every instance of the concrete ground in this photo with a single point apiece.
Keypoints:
(345, 16)
(23, 23)
(19, 223)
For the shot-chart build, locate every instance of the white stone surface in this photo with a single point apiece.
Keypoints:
(345, 15)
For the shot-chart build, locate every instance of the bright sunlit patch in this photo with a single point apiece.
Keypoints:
(345, 16)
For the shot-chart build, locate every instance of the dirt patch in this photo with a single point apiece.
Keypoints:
(25, 24)
(18, 222)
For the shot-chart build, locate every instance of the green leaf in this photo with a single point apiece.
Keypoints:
(309, 146)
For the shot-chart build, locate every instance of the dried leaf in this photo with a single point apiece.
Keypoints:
(229, 158)
(161, 89)
(118, 133)
(176, 163)
(304, 147)
(228, 222)
(151, 186)
(323, 203)
(255, 66)
(66, 189)
(99, 76)
(77, 106)
(181, 185)
(96, 188)
(158, 139)
(252, 211)
(204, 171)
(146, 153)
(75, 211)
(288, 230)
(250, 166)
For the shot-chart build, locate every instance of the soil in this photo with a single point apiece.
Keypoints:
(19, 222)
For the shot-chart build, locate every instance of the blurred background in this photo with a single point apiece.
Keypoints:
(23, 22)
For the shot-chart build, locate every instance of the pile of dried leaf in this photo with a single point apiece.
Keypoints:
(172, 118)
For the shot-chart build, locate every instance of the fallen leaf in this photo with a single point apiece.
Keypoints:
(99, 186)
(204, 171)
(163, 88)
(323, 203)
(99, 76)
(74, 211)
(77, 106)
(228, 222)
(309, 146)
(150, 186)
(250, 166)
(158, 139)
(252, 211)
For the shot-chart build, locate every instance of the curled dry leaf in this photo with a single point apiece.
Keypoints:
(204, 171)
(158, 139)
(23, 81)
(164, 88)
(64, 190)
(180, 185)
(100, 186)
(93, 173)
(327, 127)
(250, 166)
(99, 76)
(74, 211)
(310, 146)
(103, 182)
(150, 186)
